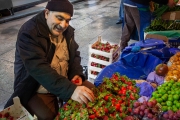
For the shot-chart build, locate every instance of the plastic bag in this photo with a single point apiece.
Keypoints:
(145, 89)
(154, 78)
(133, 65)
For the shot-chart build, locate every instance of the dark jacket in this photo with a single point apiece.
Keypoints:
(146, 2)
(33, 56)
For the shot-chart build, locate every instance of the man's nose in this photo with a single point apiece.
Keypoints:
(63, 24)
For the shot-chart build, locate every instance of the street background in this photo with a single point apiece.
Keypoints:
(92, 18)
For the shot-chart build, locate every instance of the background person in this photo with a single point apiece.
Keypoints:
(137, 15)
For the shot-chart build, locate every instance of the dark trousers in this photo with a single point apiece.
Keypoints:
(46, 106)
(132, 21)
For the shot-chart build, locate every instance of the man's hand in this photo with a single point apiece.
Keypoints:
(171, 3)
(77, 80)
(82, 95)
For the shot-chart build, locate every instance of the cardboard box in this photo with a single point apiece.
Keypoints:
(155, 36)
(171, 42)
(175, 15)
(17, 111)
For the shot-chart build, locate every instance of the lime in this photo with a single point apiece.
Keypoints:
(169, 92)
(177, 105)
(170, 84)
(177, 92)
(170, 98)
(173, 92)
(169, 103)
(162, 91)
(159, 100)
(167, 88)
(163, 103)
(157, 95)
(169, 108)
(175, 97)
(154, 93)
(164, 97)
(175, 101)
(174, 108)
(164, 108)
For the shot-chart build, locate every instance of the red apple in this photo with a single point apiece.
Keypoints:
(161, 69)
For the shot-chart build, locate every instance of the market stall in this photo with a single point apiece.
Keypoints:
(143, 83)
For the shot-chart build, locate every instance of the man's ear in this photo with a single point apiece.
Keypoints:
(46, 12)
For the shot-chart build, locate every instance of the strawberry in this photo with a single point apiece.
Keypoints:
(6, 115)
(11, 118)
(106, 110)
(106, 98)
(76, 81)
(117, 106)
(105, 117)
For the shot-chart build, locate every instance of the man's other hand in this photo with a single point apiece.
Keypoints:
(82, 95)
(77, 80)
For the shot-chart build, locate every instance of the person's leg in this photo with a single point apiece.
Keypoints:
(129, 26)
(44, 106)
(136, 18)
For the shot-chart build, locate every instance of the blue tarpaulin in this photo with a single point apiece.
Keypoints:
(133, 65)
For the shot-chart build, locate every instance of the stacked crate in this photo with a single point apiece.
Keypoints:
(101, 54)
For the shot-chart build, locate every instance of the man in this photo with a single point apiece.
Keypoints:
(47, 63)
(137, 15)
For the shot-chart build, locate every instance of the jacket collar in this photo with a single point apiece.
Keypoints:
(44, 30)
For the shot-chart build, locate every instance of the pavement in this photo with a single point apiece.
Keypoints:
(92, 18)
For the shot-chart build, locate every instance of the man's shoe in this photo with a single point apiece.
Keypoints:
(119, 22)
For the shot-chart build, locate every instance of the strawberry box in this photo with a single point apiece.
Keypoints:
(101, 54)
(16, 112)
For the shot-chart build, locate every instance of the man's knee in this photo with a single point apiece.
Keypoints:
(49, 116)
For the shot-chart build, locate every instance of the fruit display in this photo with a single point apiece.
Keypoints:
(114, 100)
(168, 96)
(174, 68)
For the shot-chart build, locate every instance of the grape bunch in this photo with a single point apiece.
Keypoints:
(170, 115)
(147, 109)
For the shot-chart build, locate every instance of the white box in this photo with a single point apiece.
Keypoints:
(113, 55)
(17, 111)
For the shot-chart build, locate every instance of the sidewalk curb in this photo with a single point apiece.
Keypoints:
(24, 14)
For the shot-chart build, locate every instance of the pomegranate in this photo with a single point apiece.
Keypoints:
(161, 69)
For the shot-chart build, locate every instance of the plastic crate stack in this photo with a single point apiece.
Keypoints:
(101, 54)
